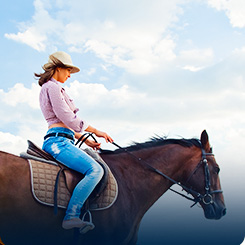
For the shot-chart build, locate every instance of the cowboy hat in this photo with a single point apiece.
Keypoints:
(63, 58)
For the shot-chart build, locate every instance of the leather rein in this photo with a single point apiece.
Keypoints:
(207, 198)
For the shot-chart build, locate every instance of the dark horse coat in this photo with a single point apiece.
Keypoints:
(24, 221)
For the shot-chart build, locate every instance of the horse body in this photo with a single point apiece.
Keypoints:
(139, 188)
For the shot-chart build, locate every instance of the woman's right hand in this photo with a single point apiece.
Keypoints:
(104, 135)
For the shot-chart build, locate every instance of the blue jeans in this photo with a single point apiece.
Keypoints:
(64, 150)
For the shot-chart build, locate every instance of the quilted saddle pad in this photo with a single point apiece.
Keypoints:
(43, 177)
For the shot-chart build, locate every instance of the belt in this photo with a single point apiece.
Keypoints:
(59, 134)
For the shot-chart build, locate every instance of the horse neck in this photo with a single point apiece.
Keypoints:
(176, 161)
(139, 181)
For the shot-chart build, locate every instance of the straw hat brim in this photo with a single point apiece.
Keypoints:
(74, 69)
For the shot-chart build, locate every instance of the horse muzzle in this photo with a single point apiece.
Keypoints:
(214, 210)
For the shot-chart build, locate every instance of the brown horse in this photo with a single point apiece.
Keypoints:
(141, 182)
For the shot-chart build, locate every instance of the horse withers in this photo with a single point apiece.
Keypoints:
(156, 166)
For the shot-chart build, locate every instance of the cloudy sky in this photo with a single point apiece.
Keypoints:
(148, 67)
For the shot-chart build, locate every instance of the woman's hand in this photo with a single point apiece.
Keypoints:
(99, 133)
(103, 135)
(91, 143)
(94, 145)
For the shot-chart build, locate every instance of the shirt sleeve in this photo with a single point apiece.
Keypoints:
(63, 111)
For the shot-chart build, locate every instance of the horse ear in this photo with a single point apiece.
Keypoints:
(205, 141)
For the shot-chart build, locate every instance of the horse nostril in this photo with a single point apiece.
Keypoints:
(224, 212)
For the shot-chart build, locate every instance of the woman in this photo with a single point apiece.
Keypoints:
(63, 126)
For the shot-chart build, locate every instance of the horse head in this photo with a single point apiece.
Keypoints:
(204, 181)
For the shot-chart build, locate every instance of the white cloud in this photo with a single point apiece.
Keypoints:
(12, 143)
(163, 50)
(133, 38)
(195, 59)
(20, 94)
(123, 104)
(192, 68)
(36, 33)
(234, 9)
(31, 37)
(136, 39)
(20, 117)
(130, 115)
(91, 71)
(97, 96)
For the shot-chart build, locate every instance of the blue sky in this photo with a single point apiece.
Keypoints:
(167, 68)
(147, 67)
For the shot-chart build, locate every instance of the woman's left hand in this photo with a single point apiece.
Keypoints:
(93, 144)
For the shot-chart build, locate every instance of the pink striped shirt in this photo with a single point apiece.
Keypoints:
(57, 106)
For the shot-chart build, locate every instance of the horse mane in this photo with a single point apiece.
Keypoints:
(156, 141)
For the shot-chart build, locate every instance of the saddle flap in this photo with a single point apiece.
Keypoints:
(44, 190)
(71, 179)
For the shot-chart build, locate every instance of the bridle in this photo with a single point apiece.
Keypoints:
(207, 198)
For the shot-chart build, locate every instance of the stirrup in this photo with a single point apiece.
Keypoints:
(89, 217)
(89, 224)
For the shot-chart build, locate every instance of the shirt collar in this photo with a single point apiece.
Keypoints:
(55, 81)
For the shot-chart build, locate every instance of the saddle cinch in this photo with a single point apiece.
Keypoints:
(53, 183)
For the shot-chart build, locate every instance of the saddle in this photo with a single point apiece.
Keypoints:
(72, 177)
(105, 190)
